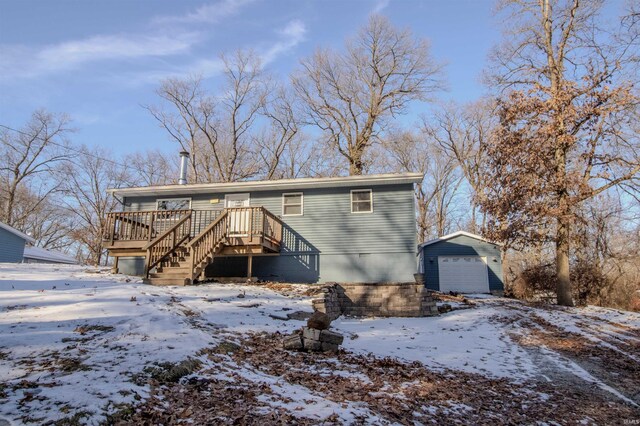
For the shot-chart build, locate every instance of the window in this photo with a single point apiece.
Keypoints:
(361, 201)
(292, 204)
(174, 204)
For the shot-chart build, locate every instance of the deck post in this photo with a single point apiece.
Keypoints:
(249, 266)
(114, 269)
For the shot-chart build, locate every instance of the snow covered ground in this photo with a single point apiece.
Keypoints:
(75, 341)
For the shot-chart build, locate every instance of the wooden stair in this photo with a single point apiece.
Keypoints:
(184, 261)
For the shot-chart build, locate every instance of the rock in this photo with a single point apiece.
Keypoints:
(311, 333)
(278, 317)
(293, 342)
(319, 321)
(329, 347)
(299, 315)
(444, 308)
(312, 345)
(328, 336)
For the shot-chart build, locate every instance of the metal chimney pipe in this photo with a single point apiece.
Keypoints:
(184, 160)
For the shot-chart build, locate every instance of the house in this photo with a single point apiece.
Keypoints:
(311, 230)
(461, 262)
(12, 243)
(40, 255)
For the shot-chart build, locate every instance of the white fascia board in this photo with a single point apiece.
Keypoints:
(457, 234)
(269, 185)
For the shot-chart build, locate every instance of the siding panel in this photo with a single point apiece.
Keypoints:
(11, 247)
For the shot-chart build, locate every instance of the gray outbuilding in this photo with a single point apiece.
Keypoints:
(462, 263)
(12, 244)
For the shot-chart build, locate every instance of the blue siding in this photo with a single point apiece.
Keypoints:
(11, 247)
(328, 242)
(462, 246)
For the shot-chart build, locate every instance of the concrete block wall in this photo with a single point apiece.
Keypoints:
(383, 300)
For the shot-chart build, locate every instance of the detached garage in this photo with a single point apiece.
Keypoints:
(463, 263)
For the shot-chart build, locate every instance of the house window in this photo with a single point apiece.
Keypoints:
(174, 204)
(361, 201)
(292, 204)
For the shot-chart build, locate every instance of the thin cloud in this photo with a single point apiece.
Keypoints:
(20, 61)
(208, 13)
(292, 35)
(380, 6)
(288, 38)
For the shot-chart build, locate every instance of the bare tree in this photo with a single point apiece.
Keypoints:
(463, 133)
(350, 96)
(192, 124)
(217, 130)
(409, 152)
(277, 144)
(88, 178)
(153, 167)
(567, 97)
(44, 219)
(28, 156)
(245, 91)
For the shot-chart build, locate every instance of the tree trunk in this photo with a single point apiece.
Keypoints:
(562, 264)
(355, 165)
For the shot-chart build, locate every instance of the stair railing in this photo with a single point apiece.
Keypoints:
(208, 242)
(167, 243)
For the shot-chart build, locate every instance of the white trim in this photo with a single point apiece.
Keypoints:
(271, 185)
(457, 234)
(301, 194)
(370, 199)
(172, 199)
(17, 233)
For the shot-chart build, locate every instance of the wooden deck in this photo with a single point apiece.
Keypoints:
(178, 245)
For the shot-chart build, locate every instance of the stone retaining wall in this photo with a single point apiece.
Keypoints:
(383, 300)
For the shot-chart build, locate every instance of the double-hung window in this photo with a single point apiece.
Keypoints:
(292, 204)
(361, 201)
(174, 204)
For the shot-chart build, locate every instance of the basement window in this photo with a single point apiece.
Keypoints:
(292, 204)
(361, 201)
(174, 204)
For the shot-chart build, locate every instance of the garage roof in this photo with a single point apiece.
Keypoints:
(39, 253)
(456, 234)
(266, 185)
(18, 233)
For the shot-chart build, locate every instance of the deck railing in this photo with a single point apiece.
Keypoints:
(148, 225)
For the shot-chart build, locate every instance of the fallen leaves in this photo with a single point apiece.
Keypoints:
(391, 390)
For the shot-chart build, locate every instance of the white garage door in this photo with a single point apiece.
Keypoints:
(463, 274)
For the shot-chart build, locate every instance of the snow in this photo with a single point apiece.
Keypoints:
(81, 335)
(470, 340)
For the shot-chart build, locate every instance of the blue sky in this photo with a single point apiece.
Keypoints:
(101, 61)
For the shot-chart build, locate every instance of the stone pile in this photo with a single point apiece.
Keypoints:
(315, 337)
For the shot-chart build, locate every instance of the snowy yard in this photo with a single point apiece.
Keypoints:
(84, 346)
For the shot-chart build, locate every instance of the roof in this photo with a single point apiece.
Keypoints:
(268, 185)
(16, 232)
(47, 255)
(454, 235)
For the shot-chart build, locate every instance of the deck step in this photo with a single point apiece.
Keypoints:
(172, 275)
(167, 281)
